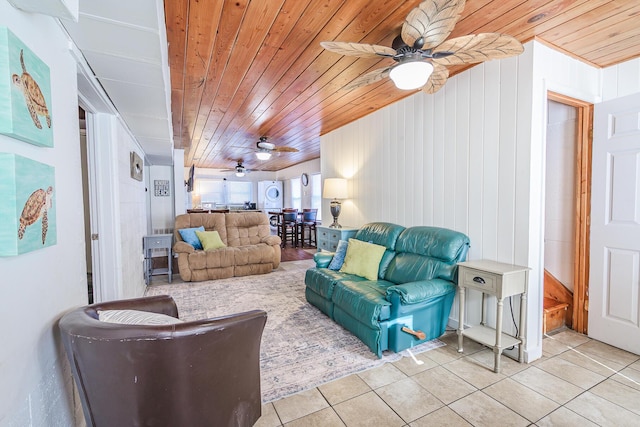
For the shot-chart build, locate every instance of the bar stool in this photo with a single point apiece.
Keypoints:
(288, 227)
(308, 223)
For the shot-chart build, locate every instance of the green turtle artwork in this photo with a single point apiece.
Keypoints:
(37, 205)
(36, 104)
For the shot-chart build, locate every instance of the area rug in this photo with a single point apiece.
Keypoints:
(301, 347)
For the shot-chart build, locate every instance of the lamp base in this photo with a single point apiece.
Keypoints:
(335, 212)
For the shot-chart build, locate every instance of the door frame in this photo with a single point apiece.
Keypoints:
(582, 204)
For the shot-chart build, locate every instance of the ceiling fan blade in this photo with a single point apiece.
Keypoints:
(437, 79)
(285, 149)
(476, 48)
(432, 21)
(369, 78)
(358, 49)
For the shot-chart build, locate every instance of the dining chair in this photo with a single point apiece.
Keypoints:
(308, 223)
(288, 227)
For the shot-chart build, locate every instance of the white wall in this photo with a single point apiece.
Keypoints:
(469, 158)
(162, 207)
(179, 193)
(310, 167)
(560, 215)
(133, 215)
(621, 80)
(37, 287)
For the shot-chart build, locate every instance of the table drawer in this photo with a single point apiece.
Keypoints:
(324, 244)
(157, 242)
(480, 280)
(329, 234)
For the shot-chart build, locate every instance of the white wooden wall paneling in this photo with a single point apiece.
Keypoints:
(465, 158)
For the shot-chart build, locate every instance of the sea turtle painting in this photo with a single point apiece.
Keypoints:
(36, 104)
(37, 205)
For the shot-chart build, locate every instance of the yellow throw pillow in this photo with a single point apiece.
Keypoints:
(210, 240)
(363, 259)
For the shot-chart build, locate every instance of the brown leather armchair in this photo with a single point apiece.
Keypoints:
(201, 373)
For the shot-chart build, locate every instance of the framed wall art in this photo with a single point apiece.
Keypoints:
(28, 208)
(25, 93)
(136, 165)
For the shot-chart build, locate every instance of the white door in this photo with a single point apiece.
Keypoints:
(614, 285)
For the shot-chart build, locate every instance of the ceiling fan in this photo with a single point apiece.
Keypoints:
(421, 51)
(239, 169)
(265, 149)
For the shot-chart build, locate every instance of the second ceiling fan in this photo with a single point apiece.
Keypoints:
(265, 149)
(421, 51)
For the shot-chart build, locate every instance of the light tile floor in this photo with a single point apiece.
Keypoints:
(577, 382)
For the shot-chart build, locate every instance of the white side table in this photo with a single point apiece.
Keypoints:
(156, 241)
(502, 281)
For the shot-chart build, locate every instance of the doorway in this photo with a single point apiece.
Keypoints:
(85, 197)
(567, 209)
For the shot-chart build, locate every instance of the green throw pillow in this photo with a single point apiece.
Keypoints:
(363, 259)
(210, 240)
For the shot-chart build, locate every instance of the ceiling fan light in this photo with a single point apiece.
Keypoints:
(263, 155)
(411, 75)
(240, 173)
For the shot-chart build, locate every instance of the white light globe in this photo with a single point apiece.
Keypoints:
(411, 75)
(263, 155)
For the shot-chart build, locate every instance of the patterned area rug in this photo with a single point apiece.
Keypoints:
(301, 347)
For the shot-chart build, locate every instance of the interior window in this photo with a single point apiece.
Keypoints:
(239, 192)
(220, 192)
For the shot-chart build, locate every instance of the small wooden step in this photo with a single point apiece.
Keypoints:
(554, 314)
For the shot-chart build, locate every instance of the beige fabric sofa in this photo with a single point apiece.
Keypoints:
(251, 249)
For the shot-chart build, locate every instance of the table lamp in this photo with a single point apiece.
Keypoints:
(335, 188)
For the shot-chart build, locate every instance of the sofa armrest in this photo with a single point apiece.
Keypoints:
(183, 247)
(322, 259)
(272, 240)
(423, 290)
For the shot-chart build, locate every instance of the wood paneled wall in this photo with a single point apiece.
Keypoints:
(470, 158)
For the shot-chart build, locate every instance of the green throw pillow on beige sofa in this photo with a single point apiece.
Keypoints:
(210, 240)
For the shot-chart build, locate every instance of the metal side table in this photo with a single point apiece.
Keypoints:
(156, 241)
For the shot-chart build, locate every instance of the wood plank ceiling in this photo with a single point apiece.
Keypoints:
(241, 69)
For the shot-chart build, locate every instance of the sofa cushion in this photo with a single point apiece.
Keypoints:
(380, 233)
(444, 244)
(253, 254)
(363, 300)
(363, 259)
(189, 236)
(416, 292)
(201, 260)
(210, 222)
(322, 281)
(136, 317)
(246, 228)
(338, 256)
(424, 253)
(210, 240)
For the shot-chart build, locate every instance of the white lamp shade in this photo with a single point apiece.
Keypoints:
(411, 75)
(335, 188)
(239, 174)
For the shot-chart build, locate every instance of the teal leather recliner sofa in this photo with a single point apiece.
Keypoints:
(415, 287)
